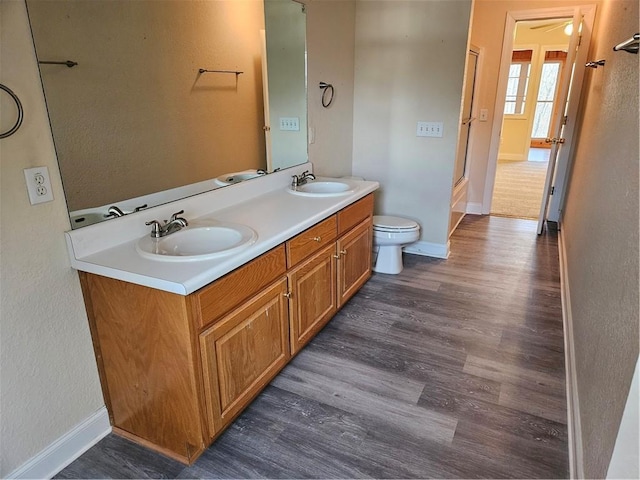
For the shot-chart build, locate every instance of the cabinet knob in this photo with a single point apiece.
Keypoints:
(287, 295)
(336, 256)
(343, 252)
(317, 239)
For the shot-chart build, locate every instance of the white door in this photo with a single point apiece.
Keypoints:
(265, 96)
(557, 121)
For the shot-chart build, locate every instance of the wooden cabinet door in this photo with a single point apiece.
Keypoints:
(242, 352)
(354, 263)
(313, 298)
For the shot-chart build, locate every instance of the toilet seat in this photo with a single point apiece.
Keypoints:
(389, 224)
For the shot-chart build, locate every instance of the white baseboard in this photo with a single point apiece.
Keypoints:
(474, 208)
(428, 249)
(66, 449)
(625, 461)
(576, 459)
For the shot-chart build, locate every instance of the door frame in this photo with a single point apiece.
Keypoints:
(588, 12)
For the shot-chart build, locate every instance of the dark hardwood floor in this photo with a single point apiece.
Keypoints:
(452, 369)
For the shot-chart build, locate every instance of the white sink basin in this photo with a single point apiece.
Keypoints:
(197, 242)
(237, 177)
(323, 188)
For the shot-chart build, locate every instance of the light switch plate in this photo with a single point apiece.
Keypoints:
(290, 124)
(429, 129)
(38, 185)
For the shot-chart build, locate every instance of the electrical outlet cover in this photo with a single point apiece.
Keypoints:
(38, 185)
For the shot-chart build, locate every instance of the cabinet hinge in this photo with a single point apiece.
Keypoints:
(565, 119)
(553, 189)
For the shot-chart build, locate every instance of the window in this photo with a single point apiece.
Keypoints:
(518, 82)
(549, 79)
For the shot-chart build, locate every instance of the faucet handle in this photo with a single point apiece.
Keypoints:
(155, 228)
(175, 215)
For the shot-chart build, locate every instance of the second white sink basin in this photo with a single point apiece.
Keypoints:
(237, 177)
(198, 242)
(323, 188)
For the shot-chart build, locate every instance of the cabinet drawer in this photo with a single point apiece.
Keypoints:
(311, 240)
(213, 301)
(352, 215)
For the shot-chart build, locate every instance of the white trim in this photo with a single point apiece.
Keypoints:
(428, 249)
(574, 428)
(66, 449)
(624, 460)
(474, 208)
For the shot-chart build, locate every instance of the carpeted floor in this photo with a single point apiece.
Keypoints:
(518, 189)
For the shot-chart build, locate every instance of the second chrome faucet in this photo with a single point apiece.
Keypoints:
(175, 224)
(299, 180)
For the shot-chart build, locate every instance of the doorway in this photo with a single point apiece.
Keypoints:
(538, 61)
(563, 121)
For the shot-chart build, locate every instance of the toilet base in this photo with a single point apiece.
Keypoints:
(389, 259)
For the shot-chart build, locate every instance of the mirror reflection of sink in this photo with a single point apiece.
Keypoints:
(198, 241)
(237, 177)
(82, 218)
(323, 188)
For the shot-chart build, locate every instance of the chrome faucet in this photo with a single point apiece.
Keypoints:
(298, 180)
(170, 226)
(114, 212)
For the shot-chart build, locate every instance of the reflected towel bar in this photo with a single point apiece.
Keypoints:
(236, 72)
(68, 63)
(630, 45)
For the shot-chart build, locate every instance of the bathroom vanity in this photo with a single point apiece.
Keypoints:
(183, 347)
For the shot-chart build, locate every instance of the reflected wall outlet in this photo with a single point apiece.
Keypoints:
(38, 185)
(429, 129)
(290, 123)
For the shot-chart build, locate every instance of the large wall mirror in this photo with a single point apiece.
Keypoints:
(137, 122)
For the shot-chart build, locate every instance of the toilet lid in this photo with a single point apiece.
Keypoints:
(386, 222)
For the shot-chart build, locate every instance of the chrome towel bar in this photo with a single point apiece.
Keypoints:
(630, 45)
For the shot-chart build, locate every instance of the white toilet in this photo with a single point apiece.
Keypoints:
(390, 234)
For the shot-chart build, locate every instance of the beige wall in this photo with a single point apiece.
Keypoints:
(487, 33)
(409, 67)
(162, 125)
(600, 229)
(330, 44)
(49, 382)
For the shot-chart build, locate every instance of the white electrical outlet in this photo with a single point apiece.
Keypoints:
(429, 129)
(38, 185)
(484, 114)
(290, 124)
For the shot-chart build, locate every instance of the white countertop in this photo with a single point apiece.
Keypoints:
(108, 248)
